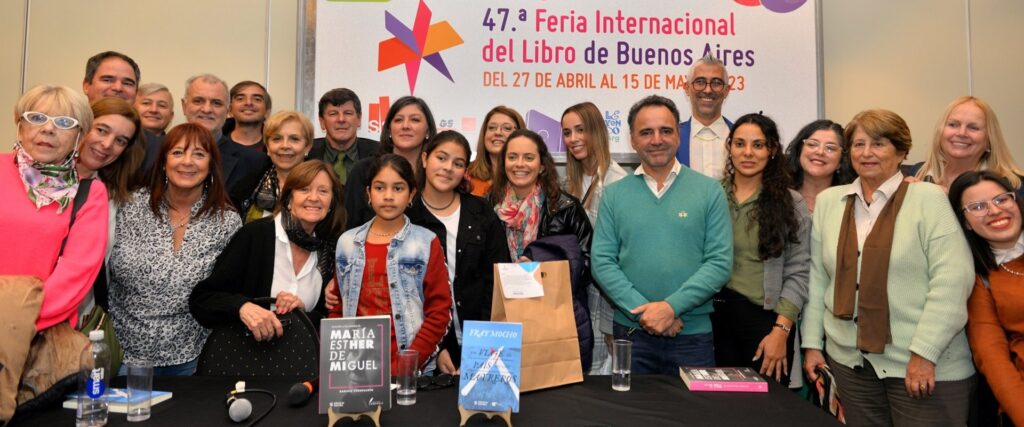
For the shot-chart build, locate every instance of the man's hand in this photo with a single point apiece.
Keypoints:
(655, 317)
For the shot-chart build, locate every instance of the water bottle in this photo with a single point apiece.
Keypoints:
(93, 378)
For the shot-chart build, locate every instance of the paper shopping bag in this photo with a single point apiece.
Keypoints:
(551, 352)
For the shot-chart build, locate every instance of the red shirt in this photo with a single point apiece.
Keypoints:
(375, 298)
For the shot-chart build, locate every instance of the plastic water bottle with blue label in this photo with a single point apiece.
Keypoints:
(93, 379)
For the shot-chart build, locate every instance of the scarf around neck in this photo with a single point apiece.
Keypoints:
(47, 183)
(521, 218)
(310, 242)
(872, 303)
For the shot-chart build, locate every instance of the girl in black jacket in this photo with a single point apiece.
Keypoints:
(471, 235)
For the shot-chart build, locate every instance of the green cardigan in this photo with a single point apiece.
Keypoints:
(930, 278)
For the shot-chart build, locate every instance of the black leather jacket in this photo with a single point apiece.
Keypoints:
(569, 218)
(479, 244)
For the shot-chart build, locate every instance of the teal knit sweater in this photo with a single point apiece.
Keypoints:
(677, 248)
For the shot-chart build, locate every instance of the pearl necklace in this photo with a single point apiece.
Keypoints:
(384, 234)
(1008, 270)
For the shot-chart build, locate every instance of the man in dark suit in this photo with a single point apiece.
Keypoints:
(206, 104)
(340, 117)
(702, 137)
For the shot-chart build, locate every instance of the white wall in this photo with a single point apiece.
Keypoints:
(910, 56)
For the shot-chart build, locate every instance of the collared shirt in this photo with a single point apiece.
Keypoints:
(351, 154)
(707, 147)
(1006, 255)
(866, 214)
(305, 284)
(653, 184)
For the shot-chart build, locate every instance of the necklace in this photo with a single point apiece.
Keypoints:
(441, 208)
(1008, 270)
(180, 224)
(384, 234)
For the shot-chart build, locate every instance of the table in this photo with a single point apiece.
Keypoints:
(655, 400)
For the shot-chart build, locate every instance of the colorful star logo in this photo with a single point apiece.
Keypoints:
(424, 41)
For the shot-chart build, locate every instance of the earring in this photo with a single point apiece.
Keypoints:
(166, 181)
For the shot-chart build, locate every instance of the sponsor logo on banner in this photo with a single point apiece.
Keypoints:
(378, 113)
(410, 46)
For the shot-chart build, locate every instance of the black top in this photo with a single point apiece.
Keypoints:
(357, 204)
(242, 168)
(569, 218)
(244, 270)
(480, 244)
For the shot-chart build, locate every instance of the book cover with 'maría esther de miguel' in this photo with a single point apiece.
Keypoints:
(723, 379)
(491, 359)
(355, 364)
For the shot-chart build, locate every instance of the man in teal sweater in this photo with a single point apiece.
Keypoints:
(662, 248)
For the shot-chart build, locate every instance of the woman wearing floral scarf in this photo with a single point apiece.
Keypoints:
(38, 184)
(531, 204)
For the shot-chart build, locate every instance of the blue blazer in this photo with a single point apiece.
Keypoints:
(683, 154)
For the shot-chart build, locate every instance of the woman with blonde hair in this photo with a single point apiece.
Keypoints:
(498, 124)
(289, 137)
(589, 168)
(968, 138)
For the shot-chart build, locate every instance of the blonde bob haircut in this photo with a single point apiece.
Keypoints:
(276, 121)
(597, 148)
(996, 158)
(59, 100)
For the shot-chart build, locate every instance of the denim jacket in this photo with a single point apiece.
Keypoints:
(408, 255)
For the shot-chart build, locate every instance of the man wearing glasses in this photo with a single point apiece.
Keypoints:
(702, 137)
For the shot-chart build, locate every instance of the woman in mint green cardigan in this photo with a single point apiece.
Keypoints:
(889, 281)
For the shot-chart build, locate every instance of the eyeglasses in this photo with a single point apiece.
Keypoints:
(60, 122)
(700, 83)
(436, 382)
(1003, 202)
(505, 128)
(815, 145)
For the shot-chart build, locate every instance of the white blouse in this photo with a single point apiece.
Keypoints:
(306, 284)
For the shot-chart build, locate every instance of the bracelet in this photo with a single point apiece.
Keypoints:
(784, 327)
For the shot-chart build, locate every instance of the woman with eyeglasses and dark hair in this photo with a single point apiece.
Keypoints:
(499, 123)
(816, 160)
(888, 288)
(409, 124)
(759, 305)
(990, 212)
(39, 183)
(168, 236)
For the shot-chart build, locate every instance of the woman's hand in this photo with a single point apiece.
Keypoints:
(523, 259)
(331, 299)
(920, 379)
(287, 301)
(813, 359)
(263, 323)
(773, 350)
(444, 363)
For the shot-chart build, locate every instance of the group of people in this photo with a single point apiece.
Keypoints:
(718, 248)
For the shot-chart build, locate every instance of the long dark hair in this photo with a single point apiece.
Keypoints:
(387, 145)
(548, 178)
(301, 176)
(399, 164)
(192, 134)
(774, 212)
(844, 173)
(984, 259)
(436, 141)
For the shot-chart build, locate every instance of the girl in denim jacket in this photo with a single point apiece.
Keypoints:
(390, 266)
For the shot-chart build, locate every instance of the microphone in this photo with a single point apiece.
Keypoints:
(300, 393)
(239, 408)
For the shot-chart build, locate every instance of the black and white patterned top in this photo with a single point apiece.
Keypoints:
(150, 284)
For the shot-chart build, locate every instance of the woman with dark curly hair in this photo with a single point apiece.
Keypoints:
(757, 308)
(816, 160)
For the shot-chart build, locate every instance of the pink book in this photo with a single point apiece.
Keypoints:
(723, 379)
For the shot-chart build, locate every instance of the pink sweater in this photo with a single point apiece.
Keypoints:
(30, 241)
